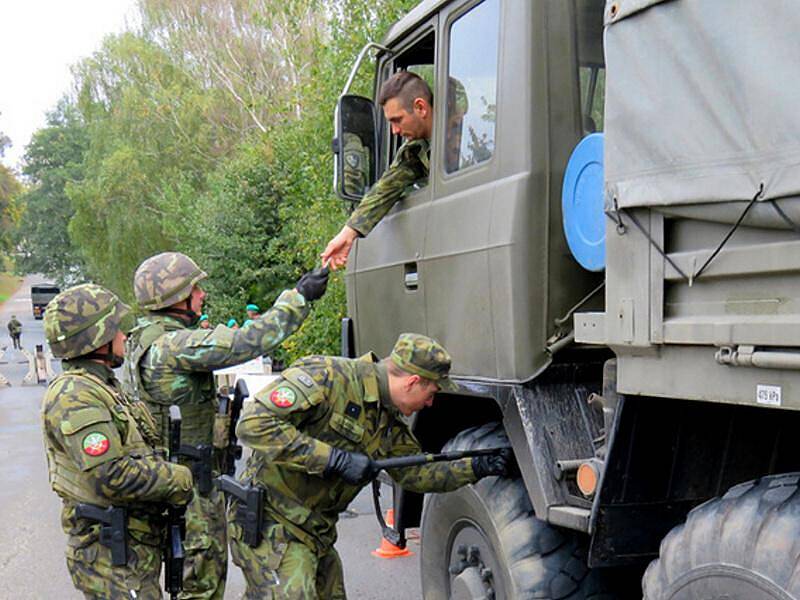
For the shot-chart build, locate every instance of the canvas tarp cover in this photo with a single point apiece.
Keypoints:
(702, 101)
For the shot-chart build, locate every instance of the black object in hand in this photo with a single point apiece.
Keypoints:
(353, 467)
(313, 284)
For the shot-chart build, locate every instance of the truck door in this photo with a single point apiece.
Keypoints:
(386, 288)
(459, 251)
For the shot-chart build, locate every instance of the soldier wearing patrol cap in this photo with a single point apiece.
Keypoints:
(100, 454)
(314, 433)
(171, 362)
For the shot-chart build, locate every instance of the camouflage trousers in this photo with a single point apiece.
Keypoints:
(282, 568)
(206, 564)
(93, 574)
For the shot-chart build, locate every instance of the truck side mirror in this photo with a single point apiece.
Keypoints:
(355, 147)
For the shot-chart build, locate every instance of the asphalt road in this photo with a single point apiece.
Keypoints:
(32, 543)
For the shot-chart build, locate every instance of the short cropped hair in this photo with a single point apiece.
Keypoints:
(407, 87)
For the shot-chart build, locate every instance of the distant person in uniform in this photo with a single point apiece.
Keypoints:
(314, 433)
(232, 324)
(15, 331)
(407, 104)
(204, 322)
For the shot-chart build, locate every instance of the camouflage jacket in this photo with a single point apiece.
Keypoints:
(14, 326)
(98, 451)
(317, 403)
(411, 165)
(169, 363)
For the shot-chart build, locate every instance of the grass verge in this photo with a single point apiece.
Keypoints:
(8, 285)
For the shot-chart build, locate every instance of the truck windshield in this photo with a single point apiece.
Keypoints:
(45, 289)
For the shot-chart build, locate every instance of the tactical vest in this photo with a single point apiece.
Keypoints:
(197, 414)
(76, 486)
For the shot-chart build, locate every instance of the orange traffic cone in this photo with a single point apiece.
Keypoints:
(388, 549)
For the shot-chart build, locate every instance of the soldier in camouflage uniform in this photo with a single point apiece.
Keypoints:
(314, 433)
(407, 104)
(99, 447)
(170, 362)
(15, 331)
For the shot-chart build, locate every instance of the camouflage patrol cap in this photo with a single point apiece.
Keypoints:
(81, 319)
(164, 279)
(423, 356)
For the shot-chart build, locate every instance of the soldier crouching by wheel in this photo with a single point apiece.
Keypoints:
(315, 433)
(100, 453)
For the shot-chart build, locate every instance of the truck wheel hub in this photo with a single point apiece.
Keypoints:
(472, 578)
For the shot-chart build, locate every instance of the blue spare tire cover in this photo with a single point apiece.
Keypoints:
(582, 203)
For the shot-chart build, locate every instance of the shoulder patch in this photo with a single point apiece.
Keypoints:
(283, 396)
(84, 417)
(95, 444)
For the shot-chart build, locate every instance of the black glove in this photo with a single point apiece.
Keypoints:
(353, 467)
(312, 285)
(501, 464)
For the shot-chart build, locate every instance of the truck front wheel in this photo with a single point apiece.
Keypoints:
(743, 546)
(484, 542)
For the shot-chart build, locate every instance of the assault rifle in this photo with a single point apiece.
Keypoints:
(176, 521)
(398, 537)
(232, 406)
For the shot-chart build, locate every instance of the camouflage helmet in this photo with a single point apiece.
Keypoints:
(81, 319)
(164, 279)
(420, 355)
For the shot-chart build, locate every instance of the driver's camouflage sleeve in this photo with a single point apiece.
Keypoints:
(411, 165)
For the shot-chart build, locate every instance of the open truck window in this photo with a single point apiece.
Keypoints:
(417, 58)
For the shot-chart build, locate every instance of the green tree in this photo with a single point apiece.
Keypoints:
(149, 132)
(52, 160)
(10, 189)
(209, 131)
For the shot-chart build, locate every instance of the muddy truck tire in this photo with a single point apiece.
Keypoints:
(483, 541)
(742, 546)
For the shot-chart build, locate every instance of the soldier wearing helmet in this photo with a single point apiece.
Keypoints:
(100, 451)
(170, 362)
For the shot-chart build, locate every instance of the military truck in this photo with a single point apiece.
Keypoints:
(41, 294)
(608, 245)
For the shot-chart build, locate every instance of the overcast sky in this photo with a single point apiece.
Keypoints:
(39, 40)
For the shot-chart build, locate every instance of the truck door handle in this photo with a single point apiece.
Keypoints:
(410, 276)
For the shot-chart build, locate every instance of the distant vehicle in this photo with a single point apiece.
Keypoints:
(40, 296)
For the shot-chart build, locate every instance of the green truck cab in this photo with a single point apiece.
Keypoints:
(632, 334)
